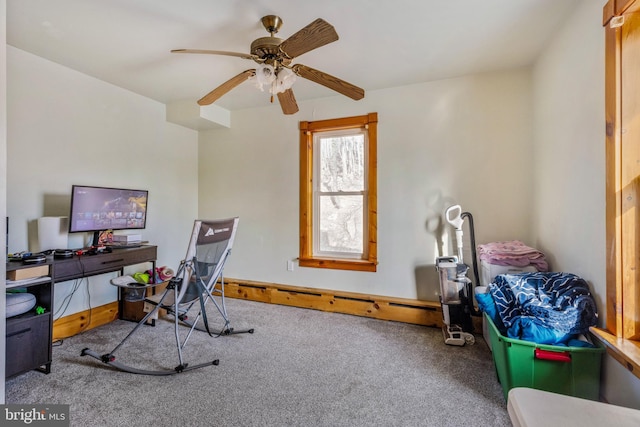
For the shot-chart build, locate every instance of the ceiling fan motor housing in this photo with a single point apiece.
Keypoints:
(266, 47)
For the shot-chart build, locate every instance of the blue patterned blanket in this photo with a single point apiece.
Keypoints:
(547, 308)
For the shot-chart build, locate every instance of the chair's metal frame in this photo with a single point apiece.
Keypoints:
(193, 282)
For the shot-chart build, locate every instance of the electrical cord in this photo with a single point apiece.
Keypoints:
(65, 305)
(472, 239)
(67, 300)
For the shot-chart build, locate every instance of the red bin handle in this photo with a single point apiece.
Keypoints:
(556, 356)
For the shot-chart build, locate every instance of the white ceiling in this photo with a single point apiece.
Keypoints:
(382, 43)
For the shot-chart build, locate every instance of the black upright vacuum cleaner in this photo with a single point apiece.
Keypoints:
(456, 289)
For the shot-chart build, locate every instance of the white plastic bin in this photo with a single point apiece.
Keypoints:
(490, 271)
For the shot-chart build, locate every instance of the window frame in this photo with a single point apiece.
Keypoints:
(369, 261)
(621, 333)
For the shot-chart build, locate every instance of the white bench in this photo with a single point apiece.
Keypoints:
(529, 407)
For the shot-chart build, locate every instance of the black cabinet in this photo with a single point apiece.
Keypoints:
(28, 344)
(28, 335)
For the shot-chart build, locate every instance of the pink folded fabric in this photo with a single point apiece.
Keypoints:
(512, 253)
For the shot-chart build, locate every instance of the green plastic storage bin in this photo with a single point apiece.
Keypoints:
(573, 371)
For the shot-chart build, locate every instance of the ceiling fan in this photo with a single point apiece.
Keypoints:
(274, 57)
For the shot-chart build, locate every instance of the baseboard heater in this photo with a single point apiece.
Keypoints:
(313, 294)
(354, 299)
(427, 313)
(395, 304)
(246, 285)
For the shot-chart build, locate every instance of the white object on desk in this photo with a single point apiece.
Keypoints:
(52, 233)
(127, 238)
(529, 407)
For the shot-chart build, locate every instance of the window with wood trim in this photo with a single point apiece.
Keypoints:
(338, 193)
(622, 87)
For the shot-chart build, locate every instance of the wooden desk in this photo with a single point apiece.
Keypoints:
(29, 335)
(90, 265)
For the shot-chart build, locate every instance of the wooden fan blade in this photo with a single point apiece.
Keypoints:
(334, 83)
(288, 102)
(225, 87)
(216, 52)
(314, 35)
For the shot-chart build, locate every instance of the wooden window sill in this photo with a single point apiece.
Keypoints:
(338, 264)
(627, 352)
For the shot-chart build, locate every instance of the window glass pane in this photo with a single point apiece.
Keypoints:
(341, 224)
(342, 163)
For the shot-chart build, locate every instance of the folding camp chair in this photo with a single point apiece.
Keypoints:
(198, 280)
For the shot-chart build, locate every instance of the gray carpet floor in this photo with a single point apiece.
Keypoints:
(299, 368)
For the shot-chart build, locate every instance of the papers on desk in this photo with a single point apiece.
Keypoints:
(25, 282)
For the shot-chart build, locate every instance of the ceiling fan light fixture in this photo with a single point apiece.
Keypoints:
(285, 78)
(265, 75)
(277, 79)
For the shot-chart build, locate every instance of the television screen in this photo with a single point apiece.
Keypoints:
(101, 208)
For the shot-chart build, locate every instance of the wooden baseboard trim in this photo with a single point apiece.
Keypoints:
(417, 312)
(79, 322)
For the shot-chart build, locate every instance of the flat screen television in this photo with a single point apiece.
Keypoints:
(96, 209)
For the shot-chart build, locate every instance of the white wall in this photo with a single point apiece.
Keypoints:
(67, 128)
(569, 172)
(465, 140)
